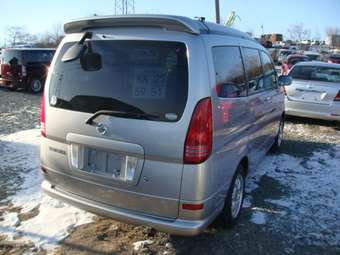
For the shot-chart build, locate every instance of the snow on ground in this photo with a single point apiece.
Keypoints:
(55, 219)
(312, 204)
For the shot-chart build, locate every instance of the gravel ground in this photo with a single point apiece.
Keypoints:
(280, 230)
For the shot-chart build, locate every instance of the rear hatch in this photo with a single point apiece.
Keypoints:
(130, 153)
(314, 84)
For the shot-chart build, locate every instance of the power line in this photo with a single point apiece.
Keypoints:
(124, 7)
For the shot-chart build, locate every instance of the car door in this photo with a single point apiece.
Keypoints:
(257, 105)
(274, 99)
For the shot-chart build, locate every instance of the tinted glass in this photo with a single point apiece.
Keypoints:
(148, 77)
(229, 72)
(270, 77)
(37, 56)
(295, 60)
(315, 73)
(313, 57)
(254, 70)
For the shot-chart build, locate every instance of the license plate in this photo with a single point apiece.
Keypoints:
(110, 165)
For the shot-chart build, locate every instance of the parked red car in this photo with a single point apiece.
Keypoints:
(334, 59)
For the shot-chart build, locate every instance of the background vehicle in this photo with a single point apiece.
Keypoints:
(296, 58)
(283, 54)
(315, 91)
(160, 129)
(25, 68)
(334, 59)
(313, 56)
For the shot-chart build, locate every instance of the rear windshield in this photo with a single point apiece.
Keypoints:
(295, 60)
(37, 56)
(337, 57)
(313, 57)
(27, 56)
(149, 77)
(315, 73)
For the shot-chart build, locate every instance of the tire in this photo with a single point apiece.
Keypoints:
(232, 210)
(35, 85)
(279, 137)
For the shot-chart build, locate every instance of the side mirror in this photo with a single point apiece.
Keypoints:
(285, 80)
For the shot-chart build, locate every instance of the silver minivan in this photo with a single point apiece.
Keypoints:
(156, 120)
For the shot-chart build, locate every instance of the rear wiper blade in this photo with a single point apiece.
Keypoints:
(76, 50)
(121, 114)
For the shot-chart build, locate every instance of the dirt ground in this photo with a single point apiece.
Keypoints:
(277, 235)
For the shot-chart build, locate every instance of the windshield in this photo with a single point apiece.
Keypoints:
(315, 73)
(144, 77)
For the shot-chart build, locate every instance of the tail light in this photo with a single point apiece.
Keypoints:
(4, 69)
(43, 116)
(198, 143)
(337, 97)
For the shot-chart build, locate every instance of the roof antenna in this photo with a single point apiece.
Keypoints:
(202, 20)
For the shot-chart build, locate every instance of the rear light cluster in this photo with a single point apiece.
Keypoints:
(4, 69)
(198, 142)
(337, 97)
(43, 116)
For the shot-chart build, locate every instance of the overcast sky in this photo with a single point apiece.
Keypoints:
(275, 16)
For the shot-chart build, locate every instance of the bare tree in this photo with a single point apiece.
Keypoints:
(51, 38)
(18, 34)
(56, 34)
(298, 32)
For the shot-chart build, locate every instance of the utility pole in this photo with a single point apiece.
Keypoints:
(123, 7)
(217, 8)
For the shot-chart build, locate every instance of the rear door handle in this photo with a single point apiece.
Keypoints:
(267, 99)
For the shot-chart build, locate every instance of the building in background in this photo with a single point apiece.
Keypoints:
(333, 40)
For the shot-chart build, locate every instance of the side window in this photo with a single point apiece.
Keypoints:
(270, 77)
(254, 70)
(230, 76)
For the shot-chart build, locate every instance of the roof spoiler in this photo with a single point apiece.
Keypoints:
(174, 23)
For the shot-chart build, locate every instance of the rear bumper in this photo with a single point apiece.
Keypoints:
(314, 111)
(177, 226)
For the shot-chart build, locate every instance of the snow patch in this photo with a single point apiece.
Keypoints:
(55, 219)
(141, 244)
